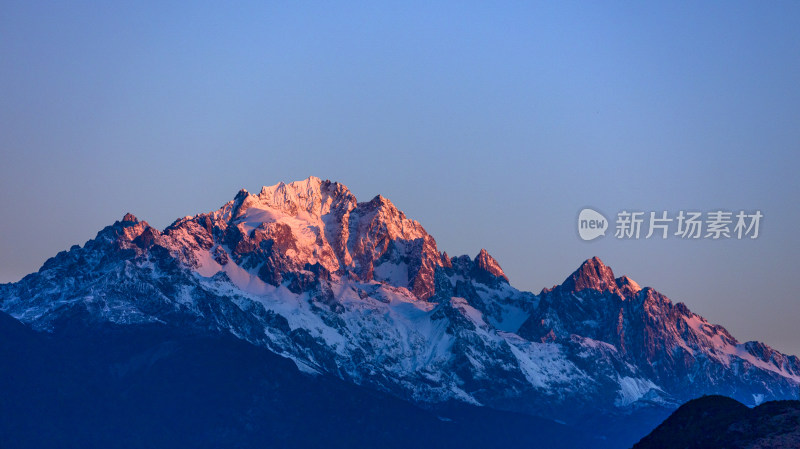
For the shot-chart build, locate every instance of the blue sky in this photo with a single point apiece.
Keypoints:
(492, 125)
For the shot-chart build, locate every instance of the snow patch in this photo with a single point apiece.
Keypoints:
(543, 364)
(392, 273)
(632, 389)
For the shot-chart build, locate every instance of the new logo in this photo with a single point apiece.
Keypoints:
(591, 224)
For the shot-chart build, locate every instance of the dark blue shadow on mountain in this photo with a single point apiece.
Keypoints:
(157, 387)
(712, 422)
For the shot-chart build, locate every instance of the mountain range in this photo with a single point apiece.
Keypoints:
(358, 294)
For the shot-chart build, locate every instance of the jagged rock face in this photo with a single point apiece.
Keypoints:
(592, 275)
(668, 342)
(360, 291)
(287, 228)
(487, 269)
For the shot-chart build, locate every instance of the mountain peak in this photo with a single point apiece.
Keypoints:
(311, 195)
(592, 274)
(627, 285)
(380, 200)
(308, 185)
(484, 261)
(129, 217)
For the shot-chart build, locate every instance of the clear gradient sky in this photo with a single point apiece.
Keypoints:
(491, 125)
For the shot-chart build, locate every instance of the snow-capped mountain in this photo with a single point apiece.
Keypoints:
(361, 292)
